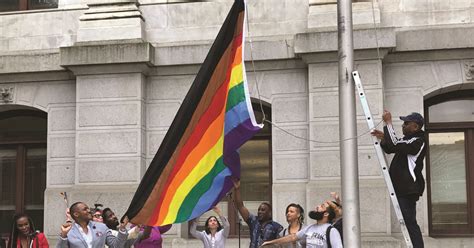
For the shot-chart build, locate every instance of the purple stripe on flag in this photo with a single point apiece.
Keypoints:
(239, 135)
(232, 161)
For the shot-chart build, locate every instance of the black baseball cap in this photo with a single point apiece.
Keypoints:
(414, 117)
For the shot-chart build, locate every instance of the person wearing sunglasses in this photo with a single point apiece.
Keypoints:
(97, 213)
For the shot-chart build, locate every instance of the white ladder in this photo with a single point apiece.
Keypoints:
(381, 158)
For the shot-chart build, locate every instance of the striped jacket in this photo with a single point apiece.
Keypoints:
(407, 164)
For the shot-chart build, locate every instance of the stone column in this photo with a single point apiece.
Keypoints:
(109, 61)
(290, 157)
(110, 121)
(109, 128)
(319, 51)
(322, 14)
(110, 20)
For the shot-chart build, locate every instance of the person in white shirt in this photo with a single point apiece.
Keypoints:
(111, 221)
(295, 218)
(214, 235)
(319, 235)
(85, 233)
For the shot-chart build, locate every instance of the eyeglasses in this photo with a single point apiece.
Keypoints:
(98, 216)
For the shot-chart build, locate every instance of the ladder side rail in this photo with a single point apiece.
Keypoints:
(381, 158)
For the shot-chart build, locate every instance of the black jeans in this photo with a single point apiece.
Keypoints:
(408, 207)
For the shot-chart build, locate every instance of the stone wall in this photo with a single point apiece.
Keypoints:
(110, 98)
(38, 30)
(174, 21)
(407, 13)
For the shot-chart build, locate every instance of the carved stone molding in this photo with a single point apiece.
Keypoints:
(6, 94)
(322, 14)
(322, 2)
(111, 21)
(326, 2)
(469, 70)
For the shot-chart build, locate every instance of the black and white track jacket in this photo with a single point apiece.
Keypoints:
(407, 164)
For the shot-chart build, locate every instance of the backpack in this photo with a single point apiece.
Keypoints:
(338, 225)
(328, 236)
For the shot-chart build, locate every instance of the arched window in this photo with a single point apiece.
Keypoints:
(256, 175)
(450, 163)
(256, 171)
(22, 165)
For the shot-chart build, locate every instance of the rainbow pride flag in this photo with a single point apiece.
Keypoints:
(194, 166)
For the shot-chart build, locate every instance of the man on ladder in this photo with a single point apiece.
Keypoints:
(406, 166)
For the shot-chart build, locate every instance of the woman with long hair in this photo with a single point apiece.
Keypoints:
(23, 234)
(295, 218)
(215, 234)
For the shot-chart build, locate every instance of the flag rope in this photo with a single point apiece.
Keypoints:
(249, 36)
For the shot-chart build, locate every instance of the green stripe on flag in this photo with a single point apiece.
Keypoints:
(198, 190)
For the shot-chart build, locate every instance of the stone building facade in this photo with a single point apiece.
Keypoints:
(111, 74)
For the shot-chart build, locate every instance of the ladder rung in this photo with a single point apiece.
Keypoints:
(381, 158)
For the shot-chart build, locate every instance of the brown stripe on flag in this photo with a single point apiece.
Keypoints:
(217, 79)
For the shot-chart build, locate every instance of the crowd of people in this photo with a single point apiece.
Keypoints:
(97, 228)
(88, 228)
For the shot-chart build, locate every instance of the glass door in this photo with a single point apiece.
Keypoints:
(449, 202)
(7, 188)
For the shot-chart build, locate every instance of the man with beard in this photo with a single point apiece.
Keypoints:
(319, 235)
(134, 234)
(85, 233)
(407, 164)
(262, 227)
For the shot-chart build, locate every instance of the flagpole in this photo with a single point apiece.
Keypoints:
(348, 127)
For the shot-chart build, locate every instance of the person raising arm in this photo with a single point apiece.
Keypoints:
(262, 227)
(214, 234)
